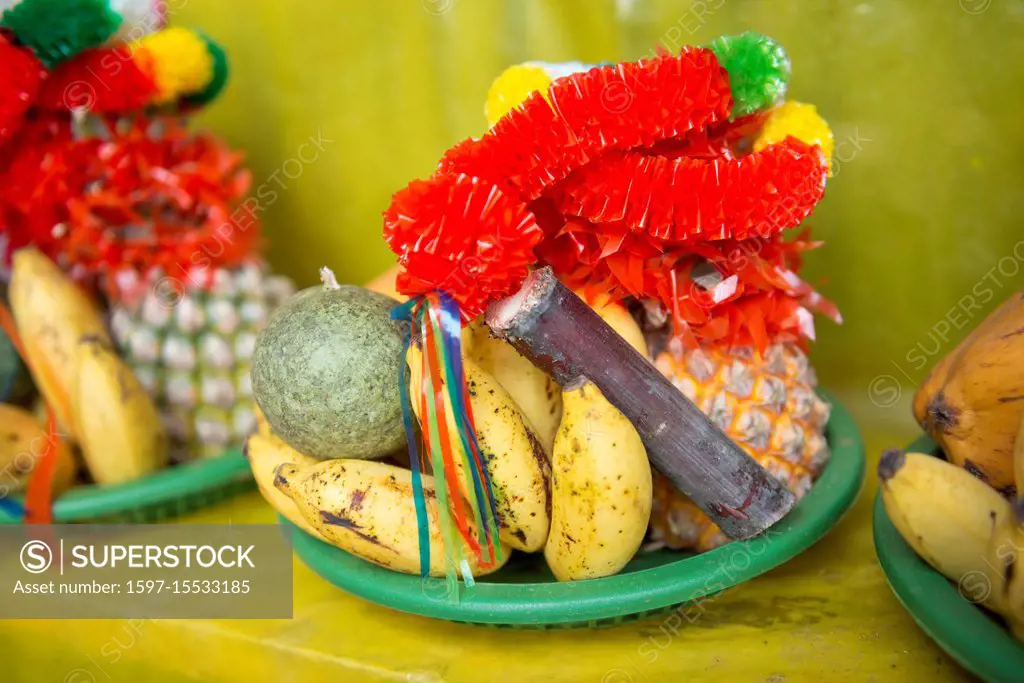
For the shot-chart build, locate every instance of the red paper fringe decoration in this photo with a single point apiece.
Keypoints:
(463, 236)
(759, 306)
(687, 199)
(21, 76)
(101, 80)
(633, 177)
(152, 195)
(611, 107)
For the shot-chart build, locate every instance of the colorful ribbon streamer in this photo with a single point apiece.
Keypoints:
(467, 511)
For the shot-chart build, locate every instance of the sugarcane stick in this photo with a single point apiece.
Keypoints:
(546, 322)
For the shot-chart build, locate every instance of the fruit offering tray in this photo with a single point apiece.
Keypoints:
(525, 595)
(157, 497)
(944, 610)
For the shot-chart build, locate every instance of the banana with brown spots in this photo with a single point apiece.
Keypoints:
(265, 453)
(601, 489)
(367, 508)
(516, 462)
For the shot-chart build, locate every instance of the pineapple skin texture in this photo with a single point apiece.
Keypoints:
(767, 404)
(189, 338)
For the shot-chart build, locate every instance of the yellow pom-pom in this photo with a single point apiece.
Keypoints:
(800, 121)
(514, 85)
(180, 62)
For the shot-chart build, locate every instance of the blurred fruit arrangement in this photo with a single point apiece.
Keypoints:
(135, 278)
(469, 422)
(964, 515)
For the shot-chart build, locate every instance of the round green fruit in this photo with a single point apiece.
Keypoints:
(325, 372)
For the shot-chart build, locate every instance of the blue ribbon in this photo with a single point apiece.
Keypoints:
(12, 508)
(409, 312)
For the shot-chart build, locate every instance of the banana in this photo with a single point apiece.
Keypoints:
(385, 284)
(970, 403)
(516, 463)
(23, 439)
(1005, 560)
(601, 489)
(536, 394)
(622, 321)
(52, 314)
(1018, 459)
(265, 454)
(944, 513)
(118, 427)
(262, 426)
(367, 508)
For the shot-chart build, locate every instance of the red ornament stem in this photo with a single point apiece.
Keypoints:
(546, 322)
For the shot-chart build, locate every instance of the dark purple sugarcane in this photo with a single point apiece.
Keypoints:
(547, 323)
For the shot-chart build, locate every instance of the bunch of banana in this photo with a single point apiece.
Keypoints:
(589, 516)
(52, 315)
(962, 527)
(970, 402)
(95, 396)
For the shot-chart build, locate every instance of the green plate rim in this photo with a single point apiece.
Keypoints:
(959, 627)
(644, 591)
(182, 481)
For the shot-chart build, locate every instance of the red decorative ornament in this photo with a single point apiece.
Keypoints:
(21, 76)
(463, 236)
(607, 108)
(100, 80)
(686, 199)
(145, 193)
(630, 181)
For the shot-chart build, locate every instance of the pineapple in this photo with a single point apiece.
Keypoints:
(766, 403)
(190, 341)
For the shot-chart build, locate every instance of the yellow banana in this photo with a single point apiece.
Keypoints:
(622, 321)
(262, 426)
(23, 440)
(1005, 562)
(1018, 459)
(945, 514)
(118, 427)
(52, 314)
(367, 508)
(265, 454)
(535, 393)
(601, 489)
(516, 463)
(385, 284)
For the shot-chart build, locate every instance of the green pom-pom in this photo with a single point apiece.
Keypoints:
(57, 30)
(220, 74)
(758, 71)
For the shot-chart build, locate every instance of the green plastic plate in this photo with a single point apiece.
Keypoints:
(968, 633)
(524, 594)
(160, 496)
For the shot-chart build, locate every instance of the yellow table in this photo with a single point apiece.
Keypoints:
(826, 616)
